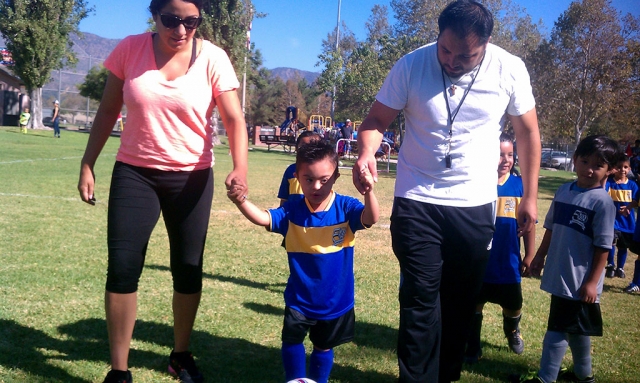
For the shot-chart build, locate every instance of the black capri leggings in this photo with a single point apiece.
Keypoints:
(136, 198)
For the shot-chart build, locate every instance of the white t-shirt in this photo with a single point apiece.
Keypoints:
(415, 85)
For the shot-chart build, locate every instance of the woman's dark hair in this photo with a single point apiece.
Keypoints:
(314, 151)
(604, 147)
(506, 137)
(156, 5)
(466, 17)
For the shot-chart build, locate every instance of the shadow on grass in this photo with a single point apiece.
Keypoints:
(220, 359)
(368, 335)
(548, 185)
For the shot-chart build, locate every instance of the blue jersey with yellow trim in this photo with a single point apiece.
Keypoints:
(289, 186)
(623, 194)
(504, 261)
(320, 251)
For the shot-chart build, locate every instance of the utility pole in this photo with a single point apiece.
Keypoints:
(246, 53)
(333, 96)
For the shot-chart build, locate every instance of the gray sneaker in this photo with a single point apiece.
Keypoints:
(516, 343)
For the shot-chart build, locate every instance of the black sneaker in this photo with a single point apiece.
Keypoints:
(620, 273)
(567, 375)
(115, 376)
(182, 366)
(632, 288)
(610, 271)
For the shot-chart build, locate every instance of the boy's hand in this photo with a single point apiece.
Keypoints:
(366, 178)
(525, 266)
(588, 292)
(624, 211)
(535, 269)
(235, 194)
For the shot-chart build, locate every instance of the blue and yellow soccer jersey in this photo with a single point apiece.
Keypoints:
(320, 251)
(504, 261)
(289, 186)
(623, 194)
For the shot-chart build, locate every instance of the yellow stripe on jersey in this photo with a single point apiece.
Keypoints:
(621, 195)
(294, 186)
(319, 240)
(507, 207)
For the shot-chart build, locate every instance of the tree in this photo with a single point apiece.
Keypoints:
(585, 70)
(37, 36)
(94, 83)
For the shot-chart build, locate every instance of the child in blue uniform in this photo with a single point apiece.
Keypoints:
(624, 193)
(502, 277)
(289, 186)
(319, 232)
(577, 240)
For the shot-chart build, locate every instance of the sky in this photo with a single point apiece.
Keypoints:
(292, 32)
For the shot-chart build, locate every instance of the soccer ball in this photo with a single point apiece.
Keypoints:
(302, 380)
(340, 163)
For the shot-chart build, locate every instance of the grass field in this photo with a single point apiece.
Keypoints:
(53, 264)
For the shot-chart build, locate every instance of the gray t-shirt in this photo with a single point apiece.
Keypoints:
(580, 220)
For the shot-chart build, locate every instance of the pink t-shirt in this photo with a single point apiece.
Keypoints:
(168, 122)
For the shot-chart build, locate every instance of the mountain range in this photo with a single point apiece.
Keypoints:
(91, 50)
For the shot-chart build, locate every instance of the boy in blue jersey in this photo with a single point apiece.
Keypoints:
(502, 276)
(624, 193)
(289, 186)
(577, 240)
(319, 237)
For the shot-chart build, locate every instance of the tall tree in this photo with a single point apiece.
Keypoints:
(37, 36)
(583, 72)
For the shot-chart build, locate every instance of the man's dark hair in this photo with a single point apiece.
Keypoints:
(307, 133)
(314, 151)
(604, 147)
(466, 17)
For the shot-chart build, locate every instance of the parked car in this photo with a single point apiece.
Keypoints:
(555, 159)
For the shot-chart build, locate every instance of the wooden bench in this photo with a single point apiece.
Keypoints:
(288, 142)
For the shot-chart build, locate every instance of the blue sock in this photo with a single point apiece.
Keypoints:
(636, 273)
(320, 365)
(294, 360)
(610, 257)
(622, 257)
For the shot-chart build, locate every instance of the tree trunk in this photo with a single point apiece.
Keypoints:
(36, 108)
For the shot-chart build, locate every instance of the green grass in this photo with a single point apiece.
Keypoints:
(53, 264)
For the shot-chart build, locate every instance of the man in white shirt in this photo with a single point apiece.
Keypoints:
(456, 94)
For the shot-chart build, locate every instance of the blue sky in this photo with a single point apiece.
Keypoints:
(291, 35)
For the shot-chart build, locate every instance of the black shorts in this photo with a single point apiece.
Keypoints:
(324, 334)
(624, 240)
(574, 317)
(508, 296)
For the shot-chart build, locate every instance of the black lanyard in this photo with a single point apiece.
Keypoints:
(451, 117)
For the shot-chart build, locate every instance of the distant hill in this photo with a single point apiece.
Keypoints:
(92, 50)
(291, 73)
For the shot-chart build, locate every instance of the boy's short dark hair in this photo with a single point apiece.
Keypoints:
(314, 151)
(306, 133)
(623, 158)
(604, 147)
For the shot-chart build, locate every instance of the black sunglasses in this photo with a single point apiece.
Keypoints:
(171, 21)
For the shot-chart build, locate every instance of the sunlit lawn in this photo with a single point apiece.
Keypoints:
(53, 264)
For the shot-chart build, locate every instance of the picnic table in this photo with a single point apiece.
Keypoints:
(288, 143)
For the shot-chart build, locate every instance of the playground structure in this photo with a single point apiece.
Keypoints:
(290, 126)
(320, 124)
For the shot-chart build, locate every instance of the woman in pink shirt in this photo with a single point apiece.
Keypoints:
(170, 83)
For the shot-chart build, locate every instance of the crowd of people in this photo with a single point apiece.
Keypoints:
(456, 222)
